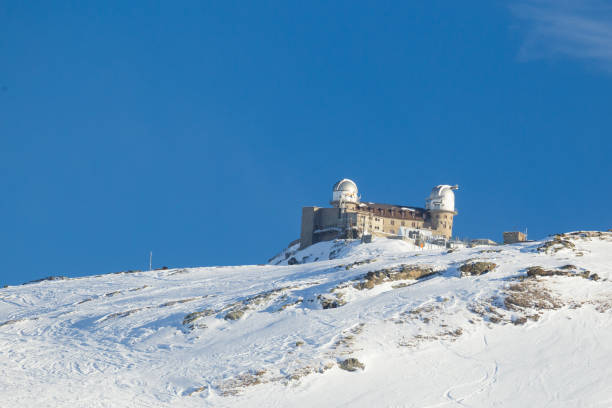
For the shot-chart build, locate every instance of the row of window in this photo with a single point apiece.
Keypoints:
(389, 211)
(392, 222)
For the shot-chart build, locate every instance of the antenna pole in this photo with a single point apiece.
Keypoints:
(151, 260)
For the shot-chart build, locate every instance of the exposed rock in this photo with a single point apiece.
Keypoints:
(234, 314)
(176, 302)
(292, 261)
(290, 304)
(197, 390)
(585, 235)
(233, 386)
(539, 271)
(128, 271)
(48, 278)
(329, 302)
(351, 364)
(358, 263)
(476, 268)
(534, 271)
(190, 319)
(138, 288)
(556, 244)
(402, 272)
(124, 314)
(530, 295)
(494, 319)
(487, 310)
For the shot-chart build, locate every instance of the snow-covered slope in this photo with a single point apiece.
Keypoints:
(426, 331)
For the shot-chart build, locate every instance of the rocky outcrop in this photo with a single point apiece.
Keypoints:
(351, 364)
(567, 270)
(472, 268)
(402, 272)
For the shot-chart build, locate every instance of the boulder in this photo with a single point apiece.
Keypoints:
(351, 364)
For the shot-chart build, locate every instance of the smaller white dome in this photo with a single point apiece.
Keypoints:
(345, 185)
(345, 190)
(442, 198)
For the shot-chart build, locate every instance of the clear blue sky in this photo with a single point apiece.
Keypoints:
(198, 130)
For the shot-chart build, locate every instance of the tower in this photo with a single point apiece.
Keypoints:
(345, 197)
(441, 207)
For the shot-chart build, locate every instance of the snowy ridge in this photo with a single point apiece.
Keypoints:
(429, 330)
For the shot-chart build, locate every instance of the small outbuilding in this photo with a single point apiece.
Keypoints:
(512, 237)
(482, 241)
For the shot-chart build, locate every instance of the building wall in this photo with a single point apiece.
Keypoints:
(315, 218)
(328, 217)
(324, 224)
(378, 224)
(513, 237)
(308, 218)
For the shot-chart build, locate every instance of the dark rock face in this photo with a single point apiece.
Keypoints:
(476, 268)
(351, 364)
(292, 261)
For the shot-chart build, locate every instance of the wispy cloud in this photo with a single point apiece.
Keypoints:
(578, 29)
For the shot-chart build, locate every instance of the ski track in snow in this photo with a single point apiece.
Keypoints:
(119, 340)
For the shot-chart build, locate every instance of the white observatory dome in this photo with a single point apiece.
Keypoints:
(345, 191)
(442, 198)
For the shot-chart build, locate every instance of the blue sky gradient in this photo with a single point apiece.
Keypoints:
(198, 131)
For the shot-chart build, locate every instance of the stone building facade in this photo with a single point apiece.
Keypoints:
(349, 217)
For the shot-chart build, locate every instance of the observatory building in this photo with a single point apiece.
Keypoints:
(349, 217)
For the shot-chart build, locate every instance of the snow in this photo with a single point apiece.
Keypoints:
(119, 340)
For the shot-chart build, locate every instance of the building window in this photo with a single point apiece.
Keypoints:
(414, 224)
(403, 223)
(392, 222)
